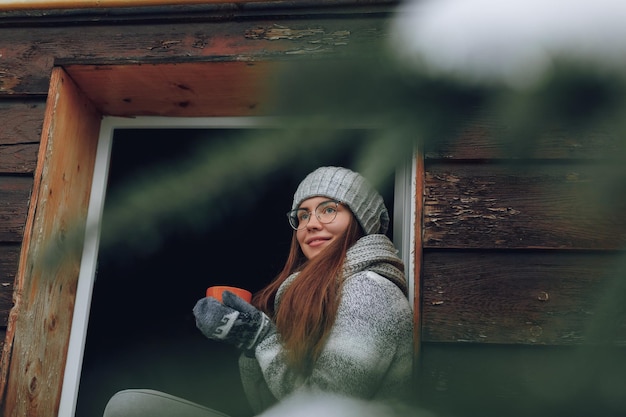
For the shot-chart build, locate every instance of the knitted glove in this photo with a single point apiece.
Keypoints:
(235, 321)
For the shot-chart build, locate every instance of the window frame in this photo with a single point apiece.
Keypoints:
(404, 220)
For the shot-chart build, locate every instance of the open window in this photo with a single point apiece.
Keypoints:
(132, 324)
(87, 105)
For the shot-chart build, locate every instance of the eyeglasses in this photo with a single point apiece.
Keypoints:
(325, 212)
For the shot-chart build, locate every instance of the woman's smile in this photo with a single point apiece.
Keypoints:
(316, 241)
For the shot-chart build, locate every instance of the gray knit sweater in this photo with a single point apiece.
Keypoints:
(369, 351)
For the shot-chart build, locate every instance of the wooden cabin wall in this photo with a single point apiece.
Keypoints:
(20, 131)
(519, 262)
(514, 263)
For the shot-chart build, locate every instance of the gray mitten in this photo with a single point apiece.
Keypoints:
(235, 321)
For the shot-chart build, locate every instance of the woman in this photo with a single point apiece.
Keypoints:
(336, 319)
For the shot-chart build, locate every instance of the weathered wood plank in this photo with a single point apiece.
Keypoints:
(522, 206)
(14, 198)
(9, 255)
(84, 4)
(28, 56)
(39, 325)
(526, 297)
(485, 137)
(18, 159)
(20, 131)
(20, 121)
(189, 89)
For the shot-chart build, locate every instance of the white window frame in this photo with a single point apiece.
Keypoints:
(403, 231)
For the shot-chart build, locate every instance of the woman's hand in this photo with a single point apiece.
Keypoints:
(236, 321)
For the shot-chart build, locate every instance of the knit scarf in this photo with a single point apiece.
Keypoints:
(374, 253)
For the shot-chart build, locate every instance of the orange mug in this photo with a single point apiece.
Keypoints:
(216, 292)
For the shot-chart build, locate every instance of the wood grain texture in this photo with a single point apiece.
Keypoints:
(524, 297)
(190, 89)
(28, 56)
(521, 206)
(39, 325)
(80, 4)
(20, 122)
(20, 131)
(18, 159)
(485, 137)
(14, 199)
(9, 254)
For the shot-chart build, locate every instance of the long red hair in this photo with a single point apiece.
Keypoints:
(308, 307)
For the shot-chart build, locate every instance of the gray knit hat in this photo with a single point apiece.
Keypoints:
(349, 188)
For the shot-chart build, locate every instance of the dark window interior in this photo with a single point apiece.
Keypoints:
(141, 328)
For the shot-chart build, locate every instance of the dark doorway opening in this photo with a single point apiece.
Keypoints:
(141, 330)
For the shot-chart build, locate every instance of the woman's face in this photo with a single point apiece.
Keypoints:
(316, 235)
